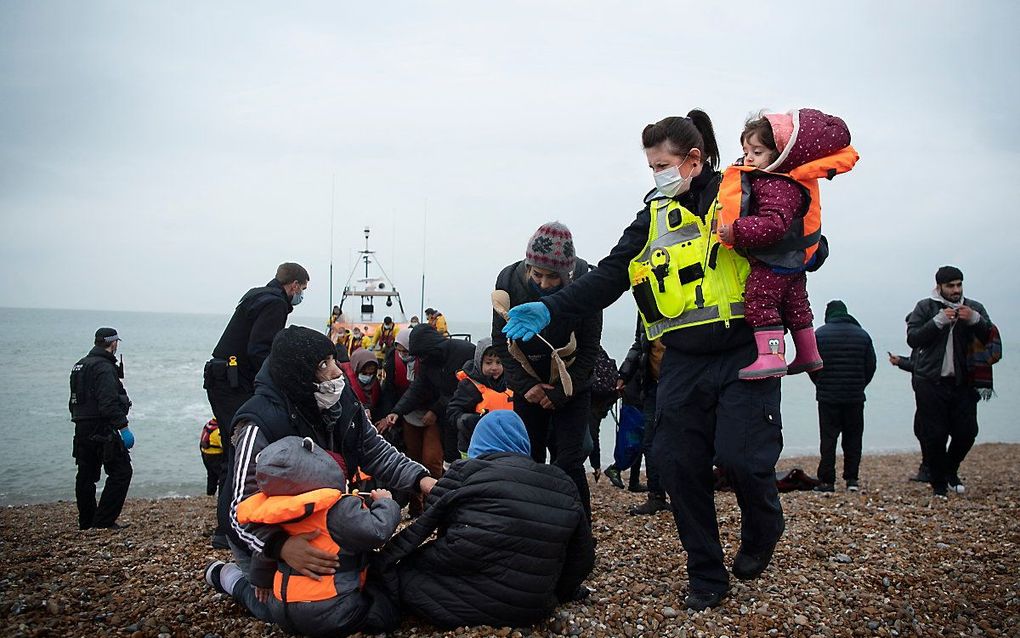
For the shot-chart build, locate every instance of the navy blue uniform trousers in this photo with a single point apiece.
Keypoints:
(706, 416)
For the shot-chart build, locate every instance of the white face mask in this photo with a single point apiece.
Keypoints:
(670, 182)
(328, 392)
(365, 379)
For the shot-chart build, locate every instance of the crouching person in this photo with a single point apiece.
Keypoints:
(482, 389)
(498, 559)
(298, 490)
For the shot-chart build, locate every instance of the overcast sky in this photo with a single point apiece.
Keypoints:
(167, 156)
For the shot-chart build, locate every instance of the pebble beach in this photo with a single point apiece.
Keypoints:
(887, 561)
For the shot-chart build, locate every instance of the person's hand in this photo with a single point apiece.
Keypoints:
(726, 233)
(380, 494)
(964, 314)
(620, 385)
(893, 359)
(128, 436)
(429, 419)
(262, 593)
(536, 393)
(382, 425)
(526, 320)
(388, 422)
(306, 559)
(426, 484)
(949, 314)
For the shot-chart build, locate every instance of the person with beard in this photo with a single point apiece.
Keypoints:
(940, 330)
(300, 391)
(435, 380)
(557, 420)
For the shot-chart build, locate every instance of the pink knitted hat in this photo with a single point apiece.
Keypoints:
(782, 129)
(552, 248)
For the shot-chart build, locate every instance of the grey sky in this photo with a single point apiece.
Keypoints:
(166, 156)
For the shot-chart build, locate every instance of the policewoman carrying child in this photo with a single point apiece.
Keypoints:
(690, 291)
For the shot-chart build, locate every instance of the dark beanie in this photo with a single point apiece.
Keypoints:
(294, 359)
(946, 274)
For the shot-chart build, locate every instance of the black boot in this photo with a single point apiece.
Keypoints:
(747, 565)
(656, 503)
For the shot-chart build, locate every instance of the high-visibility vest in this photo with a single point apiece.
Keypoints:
(491, 399)
(798, 245)
(299, 514)
(683, 275)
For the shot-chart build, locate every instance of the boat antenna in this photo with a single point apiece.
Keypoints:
(424, 243)
(332, 217)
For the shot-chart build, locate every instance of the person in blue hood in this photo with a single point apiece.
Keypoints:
(535, 551)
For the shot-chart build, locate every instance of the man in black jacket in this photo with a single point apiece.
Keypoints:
(238, 356)
(435, 381)
(99, 408)
(941, 329)
(849, 358)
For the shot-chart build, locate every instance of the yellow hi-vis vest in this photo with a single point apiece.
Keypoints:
(684, 276)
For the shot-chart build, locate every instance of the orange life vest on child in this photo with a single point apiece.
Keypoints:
(798, 246)
(299, 514)
(491, 399)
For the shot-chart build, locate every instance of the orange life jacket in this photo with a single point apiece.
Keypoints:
(491, 399)
(798, 246)
(298, 514)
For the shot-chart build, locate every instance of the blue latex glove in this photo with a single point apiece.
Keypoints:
(526, 321)
(128, 436)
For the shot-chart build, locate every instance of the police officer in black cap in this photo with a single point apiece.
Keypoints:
(99, 408)
(238, 356)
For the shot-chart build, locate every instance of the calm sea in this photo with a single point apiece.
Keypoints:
(164, 355)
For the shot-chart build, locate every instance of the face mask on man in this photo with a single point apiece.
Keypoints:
(365, 379)
(670, 182)
(328, 392)
(298, 296)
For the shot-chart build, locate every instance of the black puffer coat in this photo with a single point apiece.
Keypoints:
(849, 358)
(513, 542)
(435, 380)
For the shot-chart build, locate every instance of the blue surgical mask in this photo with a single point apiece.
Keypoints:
(365, 379)
(298, 296)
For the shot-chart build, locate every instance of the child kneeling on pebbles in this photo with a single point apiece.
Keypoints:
(297, 482)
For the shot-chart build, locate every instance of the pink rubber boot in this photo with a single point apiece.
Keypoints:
(807, 359)
(770, 361)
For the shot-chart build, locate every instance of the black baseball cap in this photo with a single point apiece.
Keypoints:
(107, 336)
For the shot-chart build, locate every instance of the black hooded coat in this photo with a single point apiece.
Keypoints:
(435, 379)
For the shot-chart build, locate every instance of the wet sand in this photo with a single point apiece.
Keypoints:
(887, 561)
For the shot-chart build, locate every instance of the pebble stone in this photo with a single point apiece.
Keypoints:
(913, 567)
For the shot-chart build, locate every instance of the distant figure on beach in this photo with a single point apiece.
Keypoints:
(437, 321)
(905, 362)
(300, 391)
(385, 335)
(229, 378)
(99, 408)
(690, 293)
(498, 558)
(210, 444)
(839, 389)
(295, 475)
(942, 330)
(555, 410)
(415, 321)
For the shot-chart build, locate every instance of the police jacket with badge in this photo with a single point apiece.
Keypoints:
(610, 279)
(344, 430)
(260, 314)
(99, 404)
(585, 329)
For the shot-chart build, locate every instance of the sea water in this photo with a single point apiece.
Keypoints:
(164, 355)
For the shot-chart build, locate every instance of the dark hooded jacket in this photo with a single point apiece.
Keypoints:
(460, 411)
(343, 430)
(260, 314)
(587, 330)
(435, 380)
(849, 358)
(605, 284)
(513, 542)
